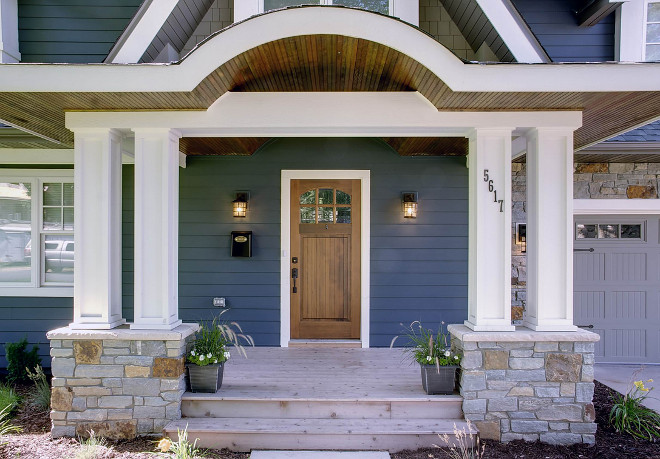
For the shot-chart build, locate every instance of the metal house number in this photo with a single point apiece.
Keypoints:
(492, 189)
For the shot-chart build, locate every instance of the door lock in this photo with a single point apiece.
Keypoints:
(294, 276)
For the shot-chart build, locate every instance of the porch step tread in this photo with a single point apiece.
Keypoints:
(305, 398)
(319, 426)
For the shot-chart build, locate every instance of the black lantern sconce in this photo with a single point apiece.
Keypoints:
(409, 199)
(240, 203)
(521, 236)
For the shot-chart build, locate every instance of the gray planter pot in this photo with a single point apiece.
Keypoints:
(207, 378)
(437, 382)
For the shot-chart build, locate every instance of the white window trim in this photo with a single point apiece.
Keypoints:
(35, 288)
(645, 27)
(616, 206)
(285, 243)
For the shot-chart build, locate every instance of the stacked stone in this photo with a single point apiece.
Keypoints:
(525, 388)
(118, 388)
(616, 181)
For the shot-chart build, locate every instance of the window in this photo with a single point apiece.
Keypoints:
(609, 231)
(380, 6)
(652, 36)
(325, 205)
(36, 232)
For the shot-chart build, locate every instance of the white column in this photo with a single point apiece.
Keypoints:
(629, 31)
(244, 9)
(489, 253)
(156, 229)
(406, 10)
(549, 230)
(97, 236)
(9, 32)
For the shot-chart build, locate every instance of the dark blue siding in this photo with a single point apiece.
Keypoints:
(418, 267)
(555, 25)
(74, 31)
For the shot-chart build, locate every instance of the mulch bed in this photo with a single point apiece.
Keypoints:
(35, 442)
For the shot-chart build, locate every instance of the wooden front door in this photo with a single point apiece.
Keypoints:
(325, 257)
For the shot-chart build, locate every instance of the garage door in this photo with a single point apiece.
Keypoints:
(617, 285)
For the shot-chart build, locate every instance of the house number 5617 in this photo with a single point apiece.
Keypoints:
(492, 189)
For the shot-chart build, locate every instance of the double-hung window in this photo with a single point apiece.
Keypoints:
(380, 6)
(652, 32)
(36, 232)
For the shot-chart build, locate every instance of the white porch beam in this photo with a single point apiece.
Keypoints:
(550, 230)
(406, 10)
(244, 9)
(156, 229)
(9, 32)
(489, 251)
(97, 213)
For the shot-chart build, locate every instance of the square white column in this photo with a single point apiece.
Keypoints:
(97, 235)
(549, 230)
(156, 229)
(489, 252)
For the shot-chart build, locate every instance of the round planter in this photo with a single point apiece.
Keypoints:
(439, 381)
(207, 378)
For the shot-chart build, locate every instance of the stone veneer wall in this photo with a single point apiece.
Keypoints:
(120, 383)
(590, 181)
(528, 385)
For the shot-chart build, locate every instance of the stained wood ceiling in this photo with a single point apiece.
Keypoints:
(331, 63)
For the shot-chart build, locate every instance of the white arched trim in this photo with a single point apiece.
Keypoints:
(218, 49)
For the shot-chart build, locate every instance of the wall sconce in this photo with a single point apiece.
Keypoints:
(409, 199)
(240, 203)
(521, 236)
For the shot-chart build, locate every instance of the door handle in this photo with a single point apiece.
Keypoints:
(585, 326)
(294, 276)
(584, 250)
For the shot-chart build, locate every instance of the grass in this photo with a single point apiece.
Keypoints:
(40, 395)
(9, 399)
(6, 426)
(630, 416)
(92, 447)
(181, 449)
(466, 444)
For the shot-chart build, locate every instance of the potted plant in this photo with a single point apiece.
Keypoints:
(210, 351)
(437, 360)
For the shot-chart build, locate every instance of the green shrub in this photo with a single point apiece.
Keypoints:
(630, 416)
(9, 400)
(40, 396)
(18, 359)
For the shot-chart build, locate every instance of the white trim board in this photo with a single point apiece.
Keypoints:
(285, 243)
(616, 206)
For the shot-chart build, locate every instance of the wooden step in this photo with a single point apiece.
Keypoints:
(325, 343)
(244, 434)
(212, 406)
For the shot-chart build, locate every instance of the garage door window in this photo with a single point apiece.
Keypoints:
(609, 231)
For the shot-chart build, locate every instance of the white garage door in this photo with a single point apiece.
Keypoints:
(617, 285)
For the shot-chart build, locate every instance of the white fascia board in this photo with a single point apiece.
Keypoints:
(616, 206)
(141, 31)
(323, 113)
(514, 31)
(35, 156)
(187, 74)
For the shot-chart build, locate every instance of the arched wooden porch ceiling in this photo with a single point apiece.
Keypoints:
(330, 63)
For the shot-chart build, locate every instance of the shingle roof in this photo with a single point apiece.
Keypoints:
(648, 133)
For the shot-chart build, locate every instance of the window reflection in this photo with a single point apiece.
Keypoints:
(15, 232)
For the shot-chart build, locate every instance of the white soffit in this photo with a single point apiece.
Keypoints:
(187, 74)
(514, 31)
(140, 32)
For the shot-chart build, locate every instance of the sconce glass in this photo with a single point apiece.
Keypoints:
(240, 204)
(409, 199)
(522, 237)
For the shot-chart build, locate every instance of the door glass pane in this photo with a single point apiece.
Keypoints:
(325, 196)
(308, 197)
(653, 52)
(325, 214)
(343, 214)
(68, 218)
(381, 6)
(58, 254)
(585, 231)
(275, 4)
(653, 12)
(631, 231)
(653, 33)
(52, 194)
(15, 232)
(52, 218)
(608, 231)
(307, 215)
(343, 198)
(68, 194)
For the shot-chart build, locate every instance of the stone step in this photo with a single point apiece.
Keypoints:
(245, 434)
(213, 406)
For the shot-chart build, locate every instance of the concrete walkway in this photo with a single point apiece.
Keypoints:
(620, 378)
(320, 455)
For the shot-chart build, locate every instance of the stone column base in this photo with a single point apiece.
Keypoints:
(528, 385)
(120, 383)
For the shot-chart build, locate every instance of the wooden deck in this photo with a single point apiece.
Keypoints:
(319, 398)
